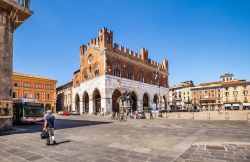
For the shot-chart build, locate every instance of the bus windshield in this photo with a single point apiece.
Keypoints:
(33, 111)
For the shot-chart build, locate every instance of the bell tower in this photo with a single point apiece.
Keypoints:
(12, 14)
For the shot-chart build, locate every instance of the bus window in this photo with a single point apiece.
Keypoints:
(33, 111)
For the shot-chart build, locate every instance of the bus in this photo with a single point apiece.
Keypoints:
(27, 111)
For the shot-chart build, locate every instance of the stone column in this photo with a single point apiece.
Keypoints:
(91, 107)
(73, 106)
(103, 105)
(91, 104)
(81, 106)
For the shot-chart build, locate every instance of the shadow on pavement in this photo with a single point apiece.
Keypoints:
(59, 124)
(61, 142)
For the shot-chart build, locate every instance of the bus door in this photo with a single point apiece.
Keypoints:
(18, 112)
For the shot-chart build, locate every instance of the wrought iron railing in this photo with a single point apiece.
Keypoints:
(25, 3)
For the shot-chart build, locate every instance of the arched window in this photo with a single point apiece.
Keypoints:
(141, 78)
(90, 58)
(117, 71)
(96, 72)
(85, 74)
(96, 69)
(131, 76)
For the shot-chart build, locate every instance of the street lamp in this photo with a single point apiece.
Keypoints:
(158, 81)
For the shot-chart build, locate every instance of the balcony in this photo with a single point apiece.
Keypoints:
(232, 100)
(24, 3)
(18, 11)
(7, 4)
(207, 100)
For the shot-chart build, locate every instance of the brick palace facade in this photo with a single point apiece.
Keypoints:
(108, 69)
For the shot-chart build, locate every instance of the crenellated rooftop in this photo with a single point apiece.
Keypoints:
(106, 35)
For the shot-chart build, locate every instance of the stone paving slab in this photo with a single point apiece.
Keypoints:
(135, 140)
(232, 153)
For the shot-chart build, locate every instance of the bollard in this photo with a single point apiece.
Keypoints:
(208, 116)
(248, 116)
(179, 115)
(227, 116)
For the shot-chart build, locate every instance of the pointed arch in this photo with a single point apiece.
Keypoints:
(155, 102)
(115, 106)
(134, 99)
(96, 101)
(164, 103)
(96, 69)
(77, 103)
(145, 100)
(117, 70)
(85, 98)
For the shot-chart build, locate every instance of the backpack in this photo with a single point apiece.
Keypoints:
(44, 134)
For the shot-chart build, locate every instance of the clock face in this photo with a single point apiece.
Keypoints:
(90, 58)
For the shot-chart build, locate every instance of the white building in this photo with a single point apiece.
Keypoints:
(180, 96)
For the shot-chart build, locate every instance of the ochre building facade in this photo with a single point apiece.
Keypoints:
(64, 97)
(35, 87)
(227, 94)
(108, 69)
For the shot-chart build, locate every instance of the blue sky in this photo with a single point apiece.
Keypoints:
(201, 39)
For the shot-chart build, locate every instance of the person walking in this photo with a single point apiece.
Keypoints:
(49, 126)
(151, 114)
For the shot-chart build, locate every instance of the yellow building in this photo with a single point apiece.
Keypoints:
(35, 87)
(235, 93)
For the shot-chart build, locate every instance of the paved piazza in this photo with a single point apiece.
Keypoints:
(85, 138)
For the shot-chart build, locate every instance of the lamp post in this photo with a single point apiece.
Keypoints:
(158, 81)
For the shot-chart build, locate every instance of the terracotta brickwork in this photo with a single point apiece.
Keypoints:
(101, 56)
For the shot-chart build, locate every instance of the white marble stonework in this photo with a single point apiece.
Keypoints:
(107, 84)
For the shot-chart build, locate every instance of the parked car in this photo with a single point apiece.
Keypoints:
(60, 113)
(66, 113)
(74, 113)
